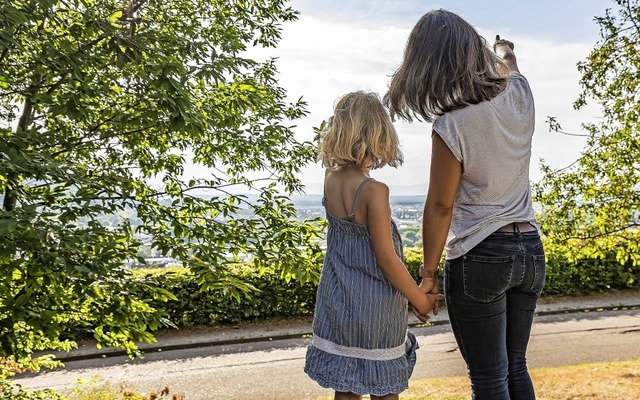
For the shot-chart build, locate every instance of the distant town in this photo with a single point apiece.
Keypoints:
(405, 210)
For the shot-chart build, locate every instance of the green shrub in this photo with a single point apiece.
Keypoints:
(413, 259)
(583, 276)
(589, 275)
(274, 297)
(12, 391)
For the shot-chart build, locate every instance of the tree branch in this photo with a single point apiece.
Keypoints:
(10, 196)
(6, 49)
(605, 234)
(82, 143)
(631, 18)
(136, 7)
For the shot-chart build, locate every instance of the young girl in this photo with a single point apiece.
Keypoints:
(361, 344)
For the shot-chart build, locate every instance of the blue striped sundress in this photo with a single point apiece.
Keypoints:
(360, 343)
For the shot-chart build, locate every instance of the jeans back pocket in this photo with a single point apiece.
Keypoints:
(486, 277)
(540, 273)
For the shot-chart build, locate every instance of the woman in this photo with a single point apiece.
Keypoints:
(479, 205)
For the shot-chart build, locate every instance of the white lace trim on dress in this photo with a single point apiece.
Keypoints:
(358, 352)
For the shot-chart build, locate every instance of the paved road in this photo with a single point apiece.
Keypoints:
(273, 370)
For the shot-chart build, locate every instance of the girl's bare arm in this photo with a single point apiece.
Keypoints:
(379, 221)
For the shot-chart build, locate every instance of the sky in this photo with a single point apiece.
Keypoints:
(340, 46)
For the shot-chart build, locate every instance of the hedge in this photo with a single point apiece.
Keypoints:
(279, 299)
(275, 298)
(589, 275)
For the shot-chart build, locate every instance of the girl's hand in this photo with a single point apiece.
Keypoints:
(429, 302)
(422, 318)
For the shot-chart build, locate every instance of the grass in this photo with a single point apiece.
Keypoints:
(600, 381)
(612, 380)
(93, 390)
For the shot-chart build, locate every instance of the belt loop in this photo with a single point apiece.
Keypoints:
(516, 227)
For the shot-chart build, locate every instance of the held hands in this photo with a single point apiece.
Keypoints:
(430, 286)
(429, 283)
(431, 301)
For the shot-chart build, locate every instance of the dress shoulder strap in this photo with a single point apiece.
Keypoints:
(352, 214)
(324, 188)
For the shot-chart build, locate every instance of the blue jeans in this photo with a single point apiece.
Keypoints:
(491, 294)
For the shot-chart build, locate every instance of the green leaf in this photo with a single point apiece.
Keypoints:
(115, 16)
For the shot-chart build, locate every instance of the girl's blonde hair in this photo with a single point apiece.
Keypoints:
(360, 133)
(447, 65)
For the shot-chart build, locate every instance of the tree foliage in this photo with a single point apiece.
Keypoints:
(593, 205)
(104, 105)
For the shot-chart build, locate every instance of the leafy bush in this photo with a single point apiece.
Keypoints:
(570, 275)
(272, 296)
(11, 391)
(91, 389)
(589, 275)
(413, 259)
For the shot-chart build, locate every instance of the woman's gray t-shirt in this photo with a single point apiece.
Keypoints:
(492, 140)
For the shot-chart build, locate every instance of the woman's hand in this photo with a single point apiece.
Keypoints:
(430, 286)
(504, 49)
(502, 45)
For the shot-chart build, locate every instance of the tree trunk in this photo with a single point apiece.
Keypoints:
(10, 196)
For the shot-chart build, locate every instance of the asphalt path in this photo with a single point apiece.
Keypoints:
(273, 370)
